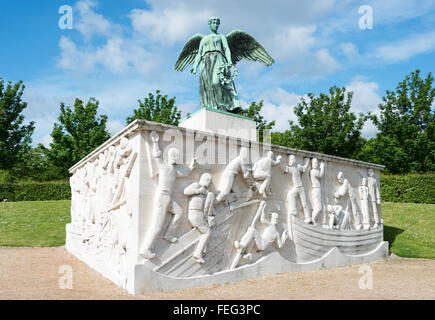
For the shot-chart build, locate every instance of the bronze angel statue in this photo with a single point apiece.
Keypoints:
(217, 56)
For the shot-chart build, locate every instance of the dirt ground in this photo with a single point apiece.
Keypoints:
(33, 273)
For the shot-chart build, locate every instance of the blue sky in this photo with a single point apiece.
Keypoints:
(118, 51)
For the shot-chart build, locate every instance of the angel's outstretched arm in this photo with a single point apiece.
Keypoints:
(197, 59)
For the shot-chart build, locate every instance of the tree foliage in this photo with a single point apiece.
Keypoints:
(79, 132)
(325, 125)
(15, 137)
(157, 108)
(405, 141)
(253, 112)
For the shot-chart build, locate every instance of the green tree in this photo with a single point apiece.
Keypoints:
(80, 131)
(253, 112)
(159, 109)
(325, 125)
(15, 137)
(405, 141)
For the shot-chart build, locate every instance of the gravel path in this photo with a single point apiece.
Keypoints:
(33, 273)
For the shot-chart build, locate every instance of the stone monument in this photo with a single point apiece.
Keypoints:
(160, 207)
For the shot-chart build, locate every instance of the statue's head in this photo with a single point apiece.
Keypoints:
(124, 143)
(205, 179)
(274, 218)
(270, 154)
(364, 182)
(291, 160)
(244, 154)
(314, 163)
(340, 177)
(371, 173)
(173, 155)
(214, 23)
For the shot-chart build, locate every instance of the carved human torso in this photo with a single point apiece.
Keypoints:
(197, 199)
(346, 188)
(234, 166)
(263, 165)
(315, 178)
(212, 42)
(372, 185)
(364, 192)
(167, 176)
(295, 172)
(270, 234)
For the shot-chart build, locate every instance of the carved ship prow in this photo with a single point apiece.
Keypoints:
(314, 241)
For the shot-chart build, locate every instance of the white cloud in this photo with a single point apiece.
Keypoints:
(365, 99)
(114, 126)
(297, 49)
(169, 25)
(118, 54)
(71, 58)
(406, 48)
(350, 51)
(289, 42)
(346, 16)
(278, 105)
(90, 23)
(46, 140)
(365, 95)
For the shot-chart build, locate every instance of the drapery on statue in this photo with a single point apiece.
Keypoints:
(217, 56)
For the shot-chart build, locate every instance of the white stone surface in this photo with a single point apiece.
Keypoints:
(221, 122)
(224, 211)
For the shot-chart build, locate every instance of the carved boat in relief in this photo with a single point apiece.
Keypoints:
(313, 242)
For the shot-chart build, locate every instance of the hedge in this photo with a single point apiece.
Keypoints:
(35, 191)
(410, 188)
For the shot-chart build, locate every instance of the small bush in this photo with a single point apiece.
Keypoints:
(35, 191)
(410, 188)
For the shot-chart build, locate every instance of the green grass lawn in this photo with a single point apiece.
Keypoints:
(409, 228)
(34, 223)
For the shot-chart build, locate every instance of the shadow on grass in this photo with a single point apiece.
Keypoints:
(390, 234)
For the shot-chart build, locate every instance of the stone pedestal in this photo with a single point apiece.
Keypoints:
(217, 121)
(149, 220)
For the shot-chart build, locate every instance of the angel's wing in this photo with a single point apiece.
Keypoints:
(242, 45)
(188, 54)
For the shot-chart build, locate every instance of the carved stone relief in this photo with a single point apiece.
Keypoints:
(206, 219)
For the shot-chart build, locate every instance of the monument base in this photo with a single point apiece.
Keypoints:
(247, 225)
(222, 122)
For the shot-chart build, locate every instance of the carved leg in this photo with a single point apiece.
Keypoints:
(307, 214)
(317, 203)
(291, 210)
(345, 220)
(209, 204)
(355, 213)
(225, 186)
(197, 254)
(177, 211)
(375, 213)
(161, 205)
(365, 214)
(265, 177)
(331, 221)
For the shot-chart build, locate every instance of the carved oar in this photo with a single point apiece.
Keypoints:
(240, 250)
(192, 237)
(116, 203)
